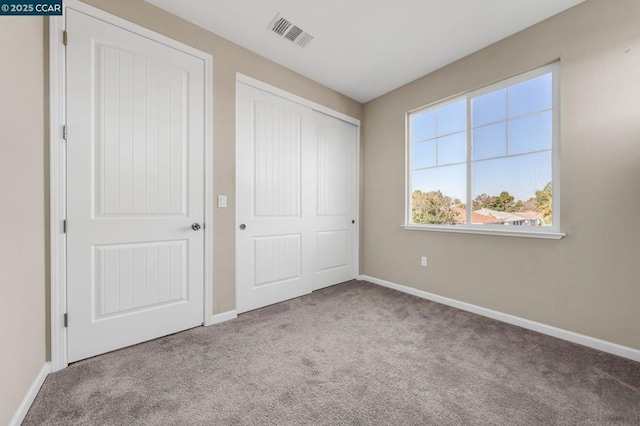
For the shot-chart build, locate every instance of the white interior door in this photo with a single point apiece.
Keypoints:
(296, 199)
(335, 220)
(135, 177)
(274, 199)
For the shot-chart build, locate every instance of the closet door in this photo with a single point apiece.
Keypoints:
(335, 219)
(275, 196)
(295, 198)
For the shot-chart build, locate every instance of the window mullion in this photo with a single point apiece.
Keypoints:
(506, 119)
(437, 138)
(408, 205)
(469, 158)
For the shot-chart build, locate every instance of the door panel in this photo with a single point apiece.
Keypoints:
(334, 167)
(135, 184)
(333, 250)
(277, 158)
(131, 277)
(274, 200)
(334, 224)
(277, 259)
(141, 120)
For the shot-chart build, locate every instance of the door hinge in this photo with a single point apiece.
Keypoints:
(64, 38)
(64, 226)
(64, 132)
(204, 226)
(66, 320)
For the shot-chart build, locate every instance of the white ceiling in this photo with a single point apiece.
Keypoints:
(365, 48)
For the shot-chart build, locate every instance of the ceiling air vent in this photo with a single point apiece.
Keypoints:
(286, 29)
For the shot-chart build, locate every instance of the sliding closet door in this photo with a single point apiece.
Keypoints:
(335, 220)
(296, 199)
(275, 171)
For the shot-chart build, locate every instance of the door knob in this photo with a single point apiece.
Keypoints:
(243, 226)
(195, 226)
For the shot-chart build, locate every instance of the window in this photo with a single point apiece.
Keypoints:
(487, 161)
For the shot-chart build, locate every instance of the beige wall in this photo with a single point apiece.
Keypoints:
(228, 58)
(588, 282)
(22, 211)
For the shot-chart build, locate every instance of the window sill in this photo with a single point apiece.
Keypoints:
(549, 235)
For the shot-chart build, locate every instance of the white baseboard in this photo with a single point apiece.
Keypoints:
(26, 402)
(223, 317)
(581, 339)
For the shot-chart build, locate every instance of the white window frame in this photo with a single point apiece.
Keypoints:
(552, 232)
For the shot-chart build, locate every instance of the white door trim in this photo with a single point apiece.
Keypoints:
(242, 78)
(57, 168)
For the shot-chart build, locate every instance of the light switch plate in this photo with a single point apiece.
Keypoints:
(222, 201)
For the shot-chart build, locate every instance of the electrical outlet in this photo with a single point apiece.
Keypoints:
(423, 261)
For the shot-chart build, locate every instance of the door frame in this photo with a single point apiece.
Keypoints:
(57, 169)
(250, 81)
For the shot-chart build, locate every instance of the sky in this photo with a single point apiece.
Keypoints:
(511, 143)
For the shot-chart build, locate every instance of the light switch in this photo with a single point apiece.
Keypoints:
(222, 201)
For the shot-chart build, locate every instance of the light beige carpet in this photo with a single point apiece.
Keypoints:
(352, 354)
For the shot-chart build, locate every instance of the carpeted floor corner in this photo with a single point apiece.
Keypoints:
(352, 354)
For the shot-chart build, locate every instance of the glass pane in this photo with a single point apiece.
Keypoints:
(452, 149)
(437, 194)
(513, 191)
(531, 96)
(530, 133)
(490, 141)
(489, 108)
(452, 118)
(423, 126)
(423, 155)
